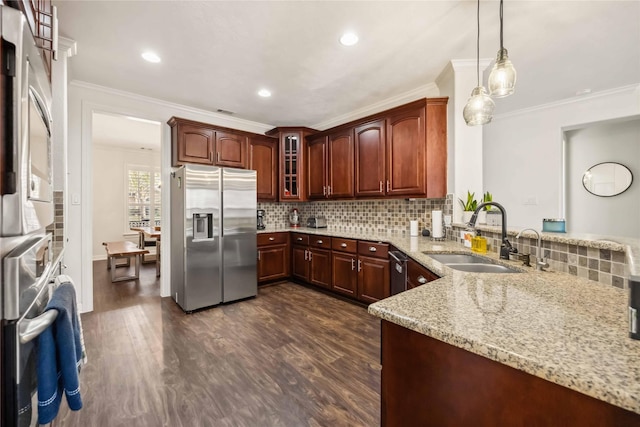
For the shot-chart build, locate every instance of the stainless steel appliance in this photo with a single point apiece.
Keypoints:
(317, 222)
(398, 272)
(25, 132)
(261, 215)
(26, 208)
(213, 235)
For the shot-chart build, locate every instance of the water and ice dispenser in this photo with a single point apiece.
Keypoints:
(202, 226)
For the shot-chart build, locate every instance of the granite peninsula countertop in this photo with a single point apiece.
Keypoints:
(559, 327)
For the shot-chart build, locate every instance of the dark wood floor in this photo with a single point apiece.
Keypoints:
(290, 357)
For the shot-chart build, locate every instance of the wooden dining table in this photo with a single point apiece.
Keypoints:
(150, 233)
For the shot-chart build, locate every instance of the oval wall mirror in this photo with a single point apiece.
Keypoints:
(607, 179)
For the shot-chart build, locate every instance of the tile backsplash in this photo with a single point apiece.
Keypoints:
(393, 216)
(57, 227)
(376, 216)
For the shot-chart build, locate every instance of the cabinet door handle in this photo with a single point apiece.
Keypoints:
(299, 239)
(258, 255)
(305, 255)
(310, 254)
(372, 249)
(388, 186)
(353, 264)
(211, 156)
(359, 265)
(271, 239)
(328, 190)
(218, 157)
(381, 188)
(343, 245)
(422, 280)
(324, 190)
(319, 242)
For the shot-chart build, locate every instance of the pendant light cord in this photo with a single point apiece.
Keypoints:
(478, 47)
(501, 47)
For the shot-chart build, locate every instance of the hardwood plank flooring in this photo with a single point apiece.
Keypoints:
(290, 357)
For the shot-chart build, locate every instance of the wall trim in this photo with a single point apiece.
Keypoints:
(428, 90)
(568, 101)
(243, 124)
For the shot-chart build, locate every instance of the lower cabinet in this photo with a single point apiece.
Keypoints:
(311, 259)
(273, 256)
(418, 275)
(361, 269)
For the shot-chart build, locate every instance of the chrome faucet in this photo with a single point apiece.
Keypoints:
(505, 248)
(541, 264)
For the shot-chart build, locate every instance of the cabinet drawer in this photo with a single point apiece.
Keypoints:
(320, 242)
(376, 250)
(418, 275)
(266, 239)
(300, 239)
(344, 245)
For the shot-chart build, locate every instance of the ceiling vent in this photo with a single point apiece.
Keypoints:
(221, 111)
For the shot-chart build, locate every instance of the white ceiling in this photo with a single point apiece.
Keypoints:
(125, 132)
(218, 54)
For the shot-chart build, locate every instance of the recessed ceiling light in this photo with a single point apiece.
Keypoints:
(349, 39)
(151, 57)
(265, 93)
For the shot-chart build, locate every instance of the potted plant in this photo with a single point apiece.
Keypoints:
(482, 215)
(469, 207)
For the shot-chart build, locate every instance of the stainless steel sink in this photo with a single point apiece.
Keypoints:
(471, 263)
(458, 258)
(483, 268)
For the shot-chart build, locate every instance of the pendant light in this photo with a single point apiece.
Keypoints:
(502, 79)
(479, 108)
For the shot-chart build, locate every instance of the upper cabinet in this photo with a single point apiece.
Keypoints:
(330, 165)
(292, 160)
(397, 153)
(194, 142)
(263, 158)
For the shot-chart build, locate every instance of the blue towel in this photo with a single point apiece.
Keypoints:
(59, 356)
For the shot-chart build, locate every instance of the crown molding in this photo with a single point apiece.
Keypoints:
(568, 101)
(464, 64)
(426, 91)
(224, 119)
(67, 46)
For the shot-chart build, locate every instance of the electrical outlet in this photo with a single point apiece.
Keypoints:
(531, 200)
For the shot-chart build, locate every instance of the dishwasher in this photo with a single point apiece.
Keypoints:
(398, 272)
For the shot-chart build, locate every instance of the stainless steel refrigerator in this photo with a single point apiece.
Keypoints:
(213, 235)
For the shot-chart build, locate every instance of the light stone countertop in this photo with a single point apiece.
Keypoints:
(559, 327)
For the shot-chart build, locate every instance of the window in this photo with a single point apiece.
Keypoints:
(143, 197)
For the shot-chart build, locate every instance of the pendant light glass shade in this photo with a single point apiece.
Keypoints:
(502, 80)
(479, 108)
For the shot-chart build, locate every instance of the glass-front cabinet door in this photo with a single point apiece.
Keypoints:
(291, 143)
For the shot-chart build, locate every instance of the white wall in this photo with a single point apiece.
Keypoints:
(109, 216)
(619, 142)
(522, 158)
(84, 100)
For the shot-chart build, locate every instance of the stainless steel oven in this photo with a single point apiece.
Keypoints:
(25, 139)
(29, 266)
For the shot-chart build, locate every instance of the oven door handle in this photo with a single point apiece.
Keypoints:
(31, 328)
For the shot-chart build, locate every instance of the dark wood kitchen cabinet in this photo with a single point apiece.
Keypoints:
(330, 166)
(292, 162)
(311, 259)
(406, 152)
(370, 165)
(373, 272)
(344, 266)
(273, 256)
(418, 275)
(263, 158)
(427, 382)
(200, 143)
